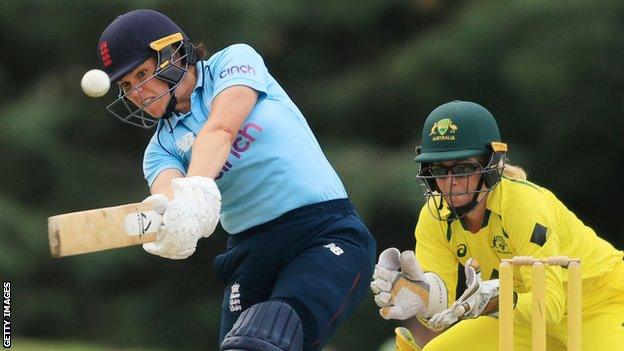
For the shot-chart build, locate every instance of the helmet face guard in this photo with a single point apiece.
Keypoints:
(171, 67)
(489, 173)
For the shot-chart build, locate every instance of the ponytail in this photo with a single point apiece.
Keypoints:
(514, 172)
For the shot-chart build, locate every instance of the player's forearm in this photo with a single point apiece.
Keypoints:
(555, 306)
(162, 183)
(213, 142)
(421, 334)
(210, 151)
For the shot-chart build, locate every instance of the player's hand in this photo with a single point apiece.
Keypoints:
(203, 194)
(479, 298)
(178, 235)
(158, 202)
(193, 213)
(402, 290)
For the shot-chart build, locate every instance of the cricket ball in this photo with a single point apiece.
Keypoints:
(95, 83)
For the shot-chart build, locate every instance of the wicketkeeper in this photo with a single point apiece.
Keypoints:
(480, 210)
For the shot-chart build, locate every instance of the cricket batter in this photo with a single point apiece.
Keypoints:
(230, 145)
(481, 210)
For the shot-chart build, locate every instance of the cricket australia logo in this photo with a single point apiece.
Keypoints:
(185, 143)
(443, 130)
(500, 245)
(235, 303)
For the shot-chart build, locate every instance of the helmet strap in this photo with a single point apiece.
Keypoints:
(173, 101)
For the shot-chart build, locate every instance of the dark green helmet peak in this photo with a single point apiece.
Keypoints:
(458, 130)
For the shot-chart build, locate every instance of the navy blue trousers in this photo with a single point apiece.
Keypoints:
(318, 258)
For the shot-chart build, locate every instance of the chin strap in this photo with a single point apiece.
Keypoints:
(173, 101)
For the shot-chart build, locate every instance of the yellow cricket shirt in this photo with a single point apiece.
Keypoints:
(522, 219)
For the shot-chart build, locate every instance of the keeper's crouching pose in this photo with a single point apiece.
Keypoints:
(230, 145)
(481, 210)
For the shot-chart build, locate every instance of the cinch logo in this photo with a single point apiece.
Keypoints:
(242, 143)
(237, 69)
(441, 127)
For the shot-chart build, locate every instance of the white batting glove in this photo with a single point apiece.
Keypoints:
(402, 290)
(479, 298)
(192, 214)
(178, 235)
(204, 194)
(158, 202)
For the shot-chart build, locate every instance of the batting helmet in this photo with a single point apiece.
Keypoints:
(131, 39)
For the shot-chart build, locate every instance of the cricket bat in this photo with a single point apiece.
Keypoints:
(102, 229)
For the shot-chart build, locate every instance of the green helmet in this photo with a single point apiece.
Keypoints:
(458, 130)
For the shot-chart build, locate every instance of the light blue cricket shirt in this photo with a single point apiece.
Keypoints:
(275, 164)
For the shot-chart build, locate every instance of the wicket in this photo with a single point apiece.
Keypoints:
(538, 331)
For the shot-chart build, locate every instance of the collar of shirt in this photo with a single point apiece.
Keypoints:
(493, 202)
(199, 71)
(170, 123)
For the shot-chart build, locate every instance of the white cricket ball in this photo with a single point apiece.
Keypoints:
(95, 83)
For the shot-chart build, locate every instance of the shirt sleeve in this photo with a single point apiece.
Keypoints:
(239, 64)
(532, 228)
(434, 253)
(157, 159)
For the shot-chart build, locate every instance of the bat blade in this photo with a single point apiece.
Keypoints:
(102, 229)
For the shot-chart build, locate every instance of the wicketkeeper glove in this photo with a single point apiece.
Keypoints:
(402, 290)
(479, 299)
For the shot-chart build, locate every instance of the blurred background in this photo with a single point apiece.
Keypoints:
(365, 74)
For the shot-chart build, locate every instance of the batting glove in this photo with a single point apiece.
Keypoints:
(192, 214)
(203, 194)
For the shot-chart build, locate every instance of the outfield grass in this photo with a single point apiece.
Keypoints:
(21, 344)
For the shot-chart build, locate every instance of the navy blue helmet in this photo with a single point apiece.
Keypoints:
(133, 38)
